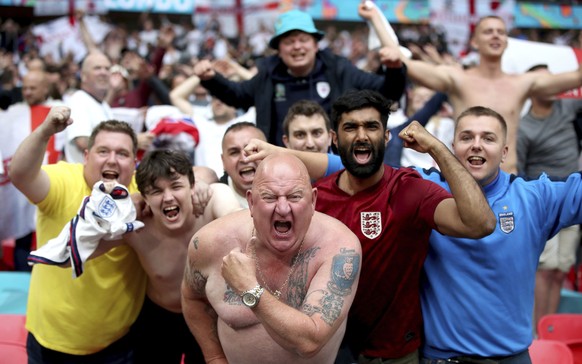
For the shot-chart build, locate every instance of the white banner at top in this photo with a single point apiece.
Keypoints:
(62, 7)
(154, 6)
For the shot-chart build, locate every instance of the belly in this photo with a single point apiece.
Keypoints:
(252, 344)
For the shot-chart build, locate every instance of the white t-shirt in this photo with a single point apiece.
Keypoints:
(86, 113)
(209, 150)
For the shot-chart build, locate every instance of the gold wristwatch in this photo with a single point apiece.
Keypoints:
(251, 297)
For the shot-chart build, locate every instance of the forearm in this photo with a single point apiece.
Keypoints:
(86, 37)
(236, 94)
(179, 95)
(383, 35)
(28, 158)
(202, 321)
(472, 207)
(290, 328)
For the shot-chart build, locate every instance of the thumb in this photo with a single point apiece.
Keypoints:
(250, 248)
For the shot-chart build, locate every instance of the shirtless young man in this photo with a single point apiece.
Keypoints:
(166, 181)
(239, 263)
(485, 84)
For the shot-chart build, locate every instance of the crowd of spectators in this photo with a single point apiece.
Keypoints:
(192, 42)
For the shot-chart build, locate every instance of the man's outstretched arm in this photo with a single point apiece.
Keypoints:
(25, 170)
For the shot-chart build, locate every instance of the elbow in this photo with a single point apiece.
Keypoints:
(310, 344)
(490, 225)
(309, 348)
(485, 227)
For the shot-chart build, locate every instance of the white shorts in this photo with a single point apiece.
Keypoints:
(560, 251)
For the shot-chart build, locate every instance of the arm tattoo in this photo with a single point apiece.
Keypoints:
(195, 280)
(231, 297)
(344, 271)
(297, 288)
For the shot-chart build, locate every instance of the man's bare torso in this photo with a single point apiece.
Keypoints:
(162, 254)
(238, 327)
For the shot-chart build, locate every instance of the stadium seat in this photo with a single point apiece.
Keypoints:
(12, 330)
(550, 352)
(13, 339)
(563, 327)
(13, 354)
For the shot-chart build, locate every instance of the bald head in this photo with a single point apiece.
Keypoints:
(35, 87)
(282, 201)
(282, 166)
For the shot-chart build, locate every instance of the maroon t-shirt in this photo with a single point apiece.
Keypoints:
(393, 220)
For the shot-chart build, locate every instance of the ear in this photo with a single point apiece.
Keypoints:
(504, 153)
(250, 201)
(286, 141)
(387, 136)
(334, 138)
(473, 43)
(313, 197)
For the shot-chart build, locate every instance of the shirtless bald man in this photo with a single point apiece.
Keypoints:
(275, 285)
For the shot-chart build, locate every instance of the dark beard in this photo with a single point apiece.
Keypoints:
(362, 170)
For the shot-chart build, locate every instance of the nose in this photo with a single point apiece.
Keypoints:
(476, 145)
(167, 195)
(361, 134)
(111, 158)
(310, 142)
(282, 207)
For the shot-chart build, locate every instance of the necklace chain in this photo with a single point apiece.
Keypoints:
(276, 293)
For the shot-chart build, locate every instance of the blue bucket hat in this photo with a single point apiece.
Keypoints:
(294, 20)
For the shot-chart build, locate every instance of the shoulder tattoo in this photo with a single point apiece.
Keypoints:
(195, 280)
(344, 271)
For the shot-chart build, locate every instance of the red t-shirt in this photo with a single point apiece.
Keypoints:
(393, 220)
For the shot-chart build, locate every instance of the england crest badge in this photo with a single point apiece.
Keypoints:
(106, 207)
(506, 222)
(323, 89)
(371, 224)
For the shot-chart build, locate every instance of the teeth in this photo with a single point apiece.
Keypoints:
(167, 209)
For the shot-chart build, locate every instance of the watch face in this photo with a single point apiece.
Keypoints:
(249, 299)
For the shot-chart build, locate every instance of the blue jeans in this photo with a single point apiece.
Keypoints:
(120, 352)
(411, 358)
(521, 358)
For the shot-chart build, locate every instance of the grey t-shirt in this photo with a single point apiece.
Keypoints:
(549, 145)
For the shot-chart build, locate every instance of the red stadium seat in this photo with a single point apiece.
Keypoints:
(550, 352)
(12, 329)
(12, 354)
(13, 339)
(564, 327)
